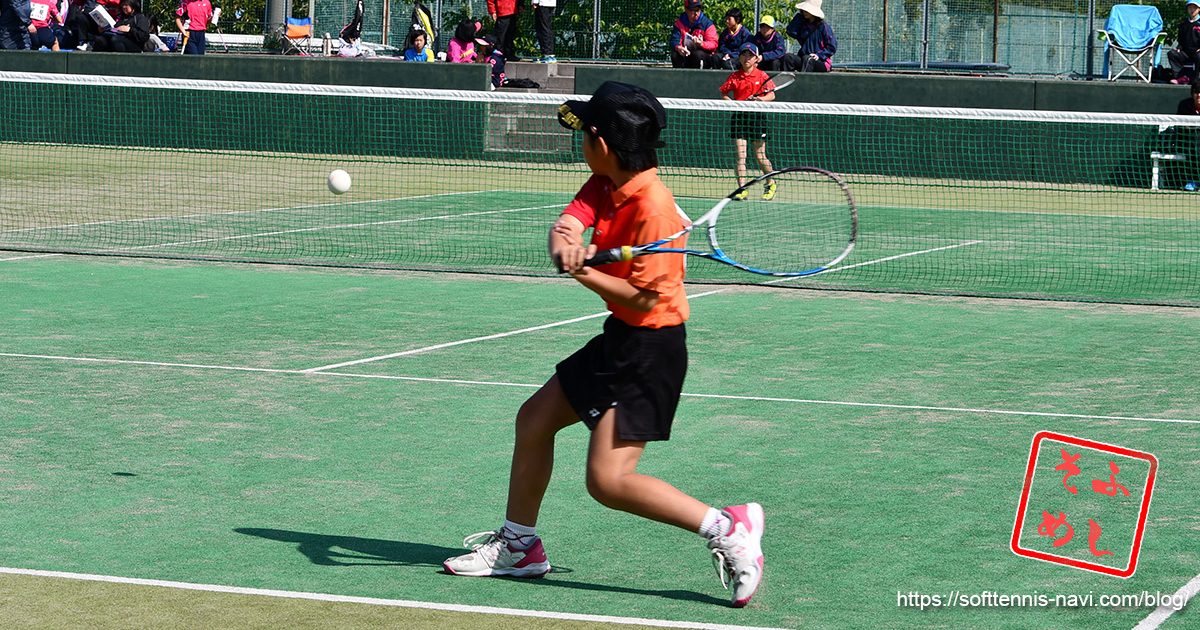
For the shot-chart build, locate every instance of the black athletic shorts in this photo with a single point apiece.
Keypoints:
(748, 125)
(638, 370)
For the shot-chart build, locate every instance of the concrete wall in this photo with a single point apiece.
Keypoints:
(909, 90)
(265, 68)
(835, 87)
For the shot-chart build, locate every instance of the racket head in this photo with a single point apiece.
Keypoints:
(783, 79)
(809, 225)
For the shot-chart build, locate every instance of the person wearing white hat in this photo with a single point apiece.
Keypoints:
(817, 43)
(1187, 51)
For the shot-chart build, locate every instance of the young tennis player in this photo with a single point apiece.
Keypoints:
(624, 385)
(196, 14)
(750, 84)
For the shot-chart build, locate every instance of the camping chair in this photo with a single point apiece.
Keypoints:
(299, 32)
(1130, 34)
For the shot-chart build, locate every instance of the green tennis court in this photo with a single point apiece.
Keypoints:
(194, 438)
(179, 421)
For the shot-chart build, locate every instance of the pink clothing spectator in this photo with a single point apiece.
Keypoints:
(460, 52)
(44, 12)
(199, 12)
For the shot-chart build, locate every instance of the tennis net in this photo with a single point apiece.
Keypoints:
(994, 203)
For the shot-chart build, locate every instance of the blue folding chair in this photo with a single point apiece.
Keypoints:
(1131, 33)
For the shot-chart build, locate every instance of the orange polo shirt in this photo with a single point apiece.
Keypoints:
(641, 211)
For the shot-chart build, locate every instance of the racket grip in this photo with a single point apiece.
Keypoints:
(616, 254)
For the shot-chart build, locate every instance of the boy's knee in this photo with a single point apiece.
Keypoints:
(599, 489)
(536, 420)
(605, 488)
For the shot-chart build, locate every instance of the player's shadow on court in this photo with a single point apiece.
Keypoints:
(353, 551)
(328, 550)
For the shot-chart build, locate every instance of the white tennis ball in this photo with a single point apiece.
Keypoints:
(339, 182)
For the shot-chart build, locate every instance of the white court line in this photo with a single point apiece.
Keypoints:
(373, 601)
(331, 227)
(879, 260)
(1045, 414)
(805, 401)
(475, 339)
(29, 257)
(1160, 614)
(233, 212)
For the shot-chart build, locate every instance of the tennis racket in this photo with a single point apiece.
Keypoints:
(781, 80)
(809, 226)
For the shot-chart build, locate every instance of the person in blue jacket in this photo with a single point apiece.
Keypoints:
(730, 43)
(15, 25)
(693, 38)
(771, 47)
(817, 43)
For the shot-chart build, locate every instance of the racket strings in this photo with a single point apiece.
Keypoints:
(808, 224)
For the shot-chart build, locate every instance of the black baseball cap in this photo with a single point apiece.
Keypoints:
(628, 117)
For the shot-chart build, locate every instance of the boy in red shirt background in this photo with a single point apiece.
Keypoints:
(749, 83)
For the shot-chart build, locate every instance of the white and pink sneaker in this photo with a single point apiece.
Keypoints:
(738, 554)
(495, 556)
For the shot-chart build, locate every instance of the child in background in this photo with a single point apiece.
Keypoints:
(746, 84)
(731, 40)
(198, 13)
(417, 50)
(623, 385)
(489, 53)
(771, 48)
(462, 45)
(1187, 42)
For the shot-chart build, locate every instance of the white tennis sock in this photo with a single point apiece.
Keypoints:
(521, 536)
(715, 524)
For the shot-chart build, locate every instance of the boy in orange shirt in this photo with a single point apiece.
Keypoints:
(624, 385)
(748, 84)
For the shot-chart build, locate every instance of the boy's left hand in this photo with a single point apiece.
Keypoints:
(571, 259)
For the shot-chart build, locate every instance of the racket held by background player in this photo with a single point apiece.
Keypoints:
(779, 81)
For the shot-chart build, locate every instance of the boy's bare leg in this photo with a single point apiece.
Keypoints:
(740, 164)
(760, 154)
(613, 481)
(538, 421)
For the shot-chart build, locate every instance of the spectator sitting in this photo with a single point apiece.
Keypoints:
(15, 25)
(417, 51)
(693, 38)
(462, 45)
(770, 46)
(489, 53)
(1190, 106)
(155, 43)
(1187, 51)
(817, 43)
(45, 17)
(731, 41)
(130, 33)
(198, 13)
(83, 25)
